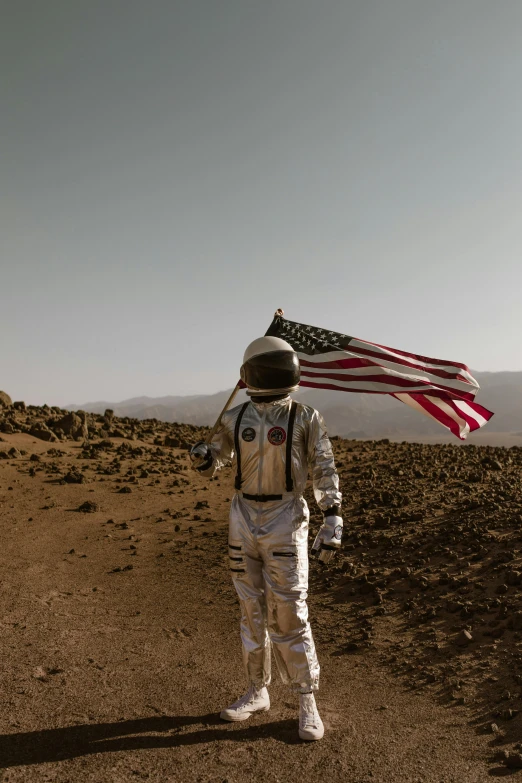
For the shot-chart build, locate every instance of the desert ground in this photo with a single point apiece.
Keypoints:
(120, 639)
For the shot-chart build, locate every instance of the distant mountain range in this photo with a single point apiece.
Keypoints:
(351, 415)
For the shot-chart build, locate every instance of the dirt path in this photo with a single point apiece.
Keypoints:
(120, 645)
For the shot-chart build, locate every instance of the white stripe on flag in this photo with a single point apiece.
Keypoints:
(469, 411)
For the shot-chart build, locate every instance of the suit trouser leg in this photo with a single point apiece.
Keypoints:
(247, 576)
(286, 585)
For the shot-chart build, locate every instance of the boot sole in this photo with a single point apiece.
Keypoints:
(243, 716)
(309, 738)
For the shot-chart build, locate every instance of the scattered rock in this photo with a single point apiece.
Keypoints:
(513, 760)
(89, 507)
(74, 477)
(464, 638)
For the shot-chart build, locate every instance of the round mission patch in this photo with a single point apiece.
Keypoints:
(248, 434)
(276, 436)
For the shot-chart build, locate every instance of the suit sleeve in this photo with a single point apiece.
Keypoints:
(322, 464)
(221, 449)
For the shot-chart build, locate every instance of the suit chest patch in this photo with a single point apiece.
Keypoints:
(276, 436)
(248, 434)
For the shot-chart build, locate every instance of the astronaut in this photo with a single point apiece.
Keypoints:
(274, 443)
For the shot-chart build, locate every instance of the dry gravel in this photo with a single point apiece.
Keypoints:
(119, 623)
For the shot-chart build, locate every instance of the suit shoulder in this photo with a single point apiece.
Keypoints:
(308, 411)
(230, 416)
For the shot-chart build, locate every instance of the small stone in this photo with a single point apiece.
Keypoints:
(514, 760)
(89, 507)
(464, 638)
(74, 477)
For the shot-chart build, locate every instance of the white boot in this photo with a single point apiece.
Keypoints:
(310, 724)
(253, 701)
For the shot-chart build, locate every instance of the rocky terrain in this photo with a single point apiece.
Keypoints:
(119, 623)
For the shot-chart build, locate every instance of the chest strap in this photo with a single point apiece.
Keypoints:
(289, 441)
(237, 449)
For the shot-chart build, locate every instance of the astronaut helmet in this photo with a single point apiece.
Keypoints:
(270, 366)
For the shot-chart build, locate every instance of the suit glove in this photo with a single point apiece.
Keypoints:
(200, 456)
(328, 540)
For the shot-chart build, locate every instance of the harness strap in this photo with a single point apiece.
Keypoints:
(261, 498)
(289, 441)
(239, 478)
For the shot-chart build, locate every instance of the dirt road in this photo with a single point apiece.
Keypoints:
(120, 645)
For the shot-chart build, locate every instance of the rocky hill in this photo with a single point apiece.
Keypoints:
(352, 415)
(54, 425)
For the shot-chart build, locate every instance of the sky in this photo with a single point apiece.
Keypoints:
(173, 171)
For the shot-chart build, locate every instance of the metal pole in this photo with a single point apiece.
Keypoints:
(218, 421)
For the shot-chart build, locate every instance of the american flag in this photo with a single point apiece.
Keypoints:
(444, 391)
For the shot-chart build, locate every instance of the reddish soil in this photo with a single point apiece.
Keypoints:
(120, 625)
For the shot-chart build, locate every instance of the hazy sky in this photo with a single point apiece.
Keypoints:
(173, 171)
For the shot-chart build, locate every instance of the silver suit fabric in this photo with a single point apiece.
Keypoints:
(268, 541)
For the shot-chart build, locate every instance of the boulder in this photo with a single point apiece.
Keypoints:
(5, 400)
(73, 424)
(43, 432)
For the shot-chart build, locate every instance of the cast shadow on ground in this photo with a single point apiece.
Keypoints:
(52, 745)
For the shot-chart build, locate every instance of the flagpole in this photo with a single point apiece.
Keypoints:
(214, 429)
(218, 421)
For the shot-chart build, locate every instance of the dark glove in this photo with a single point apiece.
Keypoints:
(328, 539)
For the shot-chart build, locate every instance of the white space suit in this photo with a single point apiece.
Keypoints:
(268, 535)
(275, 445)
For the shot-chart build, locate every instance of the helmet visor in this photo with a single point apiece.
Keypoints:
(274, 370)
